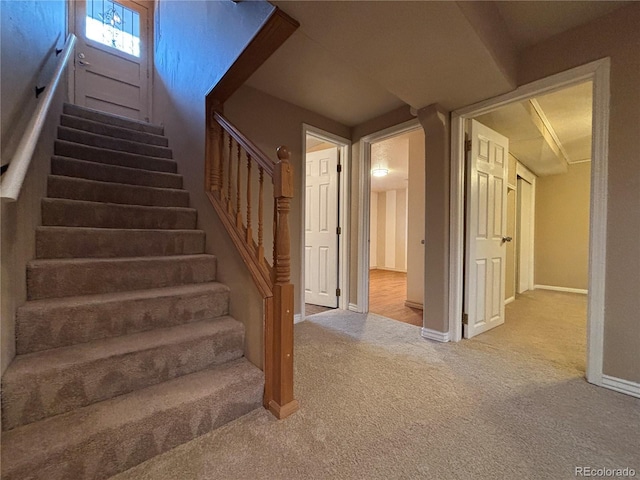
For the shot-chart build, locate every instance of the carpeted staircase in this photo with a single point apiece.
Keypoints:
(125, 347)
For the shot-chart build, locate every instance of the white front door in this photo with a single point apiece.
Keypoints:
(321, 224)
(524, 235)
(486, 230)
(112, 57)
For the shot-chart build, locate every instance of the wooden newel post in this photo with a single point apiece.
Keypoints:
(283, 404)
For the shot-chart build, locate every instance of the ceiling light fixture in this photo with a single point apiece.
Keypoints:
(379, 172)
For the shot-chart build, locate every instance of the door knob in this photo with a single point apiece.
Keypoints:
(83, 63)
(506, 239)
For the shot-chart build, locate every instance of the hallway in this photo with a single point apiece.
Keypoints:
(545, 325)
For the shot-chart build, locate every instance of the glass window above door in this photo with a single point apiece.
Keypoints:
(114, 25)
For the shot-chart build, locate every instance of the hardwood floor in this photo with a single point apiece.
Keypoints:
(387, 293)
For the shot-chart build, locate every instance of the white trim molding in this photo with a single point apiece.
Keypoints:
(562, 289)
(598, 73)
(354, 308)
(620, 385)
(344, 190)
(429, 334)
(297, 318)
(509, 300)
(364, 204)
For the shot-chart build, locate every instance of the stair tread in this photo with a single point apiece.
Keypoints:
(123, 168)
(44, 262)
(69, 108)
(123, 144)
(100, 298)
(33, 443)
(102, 183)
(56, 359)
(113, 156)
(89, 125)
(71, 201)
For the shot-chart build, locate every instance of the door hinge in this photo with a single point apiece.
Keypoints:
(465, 319)
(338, 292)
(339, 168)
(339, 230)
(467, 145)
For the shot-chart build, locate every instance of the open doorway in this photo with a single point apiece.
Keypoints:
(597, 72)
(396, 220)
(528, 218)
(324, 216)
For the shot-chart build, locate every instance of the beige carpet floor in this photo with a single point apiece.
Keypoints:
(379, 402)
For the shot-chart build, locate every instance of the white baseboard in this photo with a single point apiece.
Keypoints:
(409, 303)
(390, 269)
(509, 300)
(297, 318)
(562, 289)
(354, 308)
(621, 385)
(435, 335)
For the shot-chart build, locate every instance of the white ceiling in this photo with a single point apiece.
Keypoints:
(354, 60)
(548, 132)
(392, 154)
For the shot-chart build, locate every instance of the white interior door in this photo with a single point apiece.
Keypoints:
(112, 57)
(486, 230)
(524, 235)
(321, 223)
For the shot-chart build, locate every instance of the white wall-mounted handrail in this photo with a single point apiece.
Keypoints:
(14, 177)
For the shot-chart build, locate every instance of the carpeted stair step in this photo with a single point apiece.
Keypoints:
(112, 131)
(81, 242)
(102, 141)
(70, 167)
(100, 440)
(113, 157)
(110, 119)
(109, 192)
(60, 322)
(76, 213)
(47, 383)
(71, 277)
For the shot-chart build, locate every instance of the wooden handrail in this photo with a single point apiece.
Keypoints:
(14, 177)
(229, 154)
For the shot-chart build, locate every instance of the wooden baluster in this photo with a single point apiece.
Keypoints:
(283, 404)
(260, 252)
(216, 174)
(249, 230)
(229, 174)
(220, 184)
(238, 185)
(209, 148)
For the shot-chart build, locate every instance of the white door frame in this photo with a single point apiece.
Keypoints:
(526, 174)
(344, 189)
(598, 73)
(71, 28)
(364, 206)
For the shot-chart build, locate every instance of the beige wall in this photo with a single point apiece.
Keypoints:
(30, 31)
(562, 228)
(388, 230)
(186, 34)
(269, 123)
(415, 230)
(615, 36)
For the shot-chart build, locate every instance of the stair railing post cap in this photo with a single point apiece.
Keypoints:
(283, 153)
